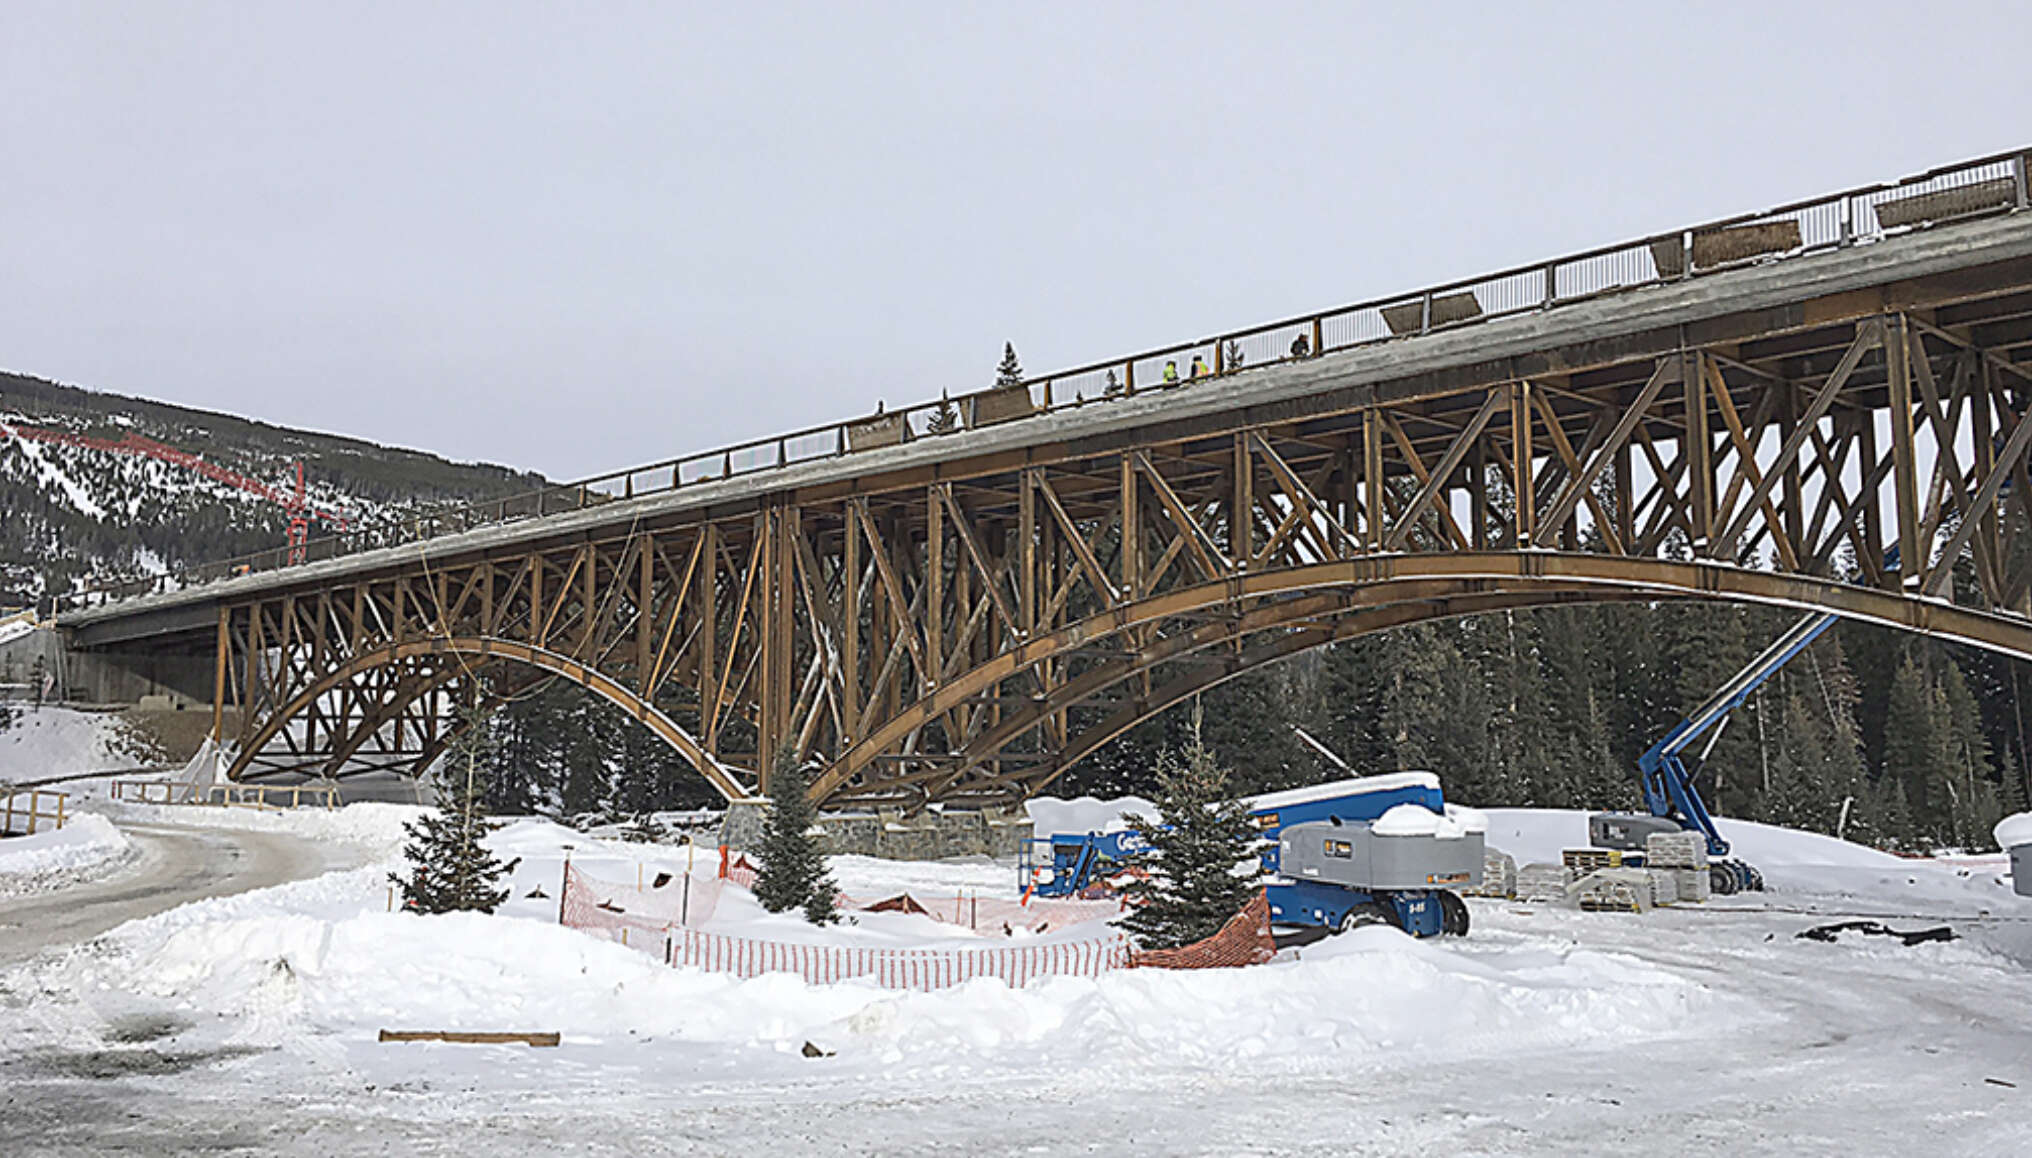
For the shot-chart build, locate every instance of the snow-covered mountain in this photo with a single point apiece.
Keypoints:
(77, 513)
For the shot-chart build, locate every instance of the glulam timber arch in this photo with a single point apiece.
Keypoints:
(470, 660)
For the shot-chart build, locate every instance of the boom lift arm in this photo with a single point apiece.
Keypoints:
(1668, 785)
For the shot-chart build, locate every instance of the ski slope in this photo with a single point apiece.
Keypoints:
(1709, 1030)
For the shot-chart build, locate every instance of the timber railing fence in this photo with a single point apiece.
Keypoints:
(26, 812)
(1995, 184)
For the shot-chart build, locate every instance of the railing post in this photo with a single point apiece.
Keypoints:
(1551, 284)
(2018, 175)
(1318, 335)
(1848, 223)
(1425, 313)
(1220, 354)
(1129, 378)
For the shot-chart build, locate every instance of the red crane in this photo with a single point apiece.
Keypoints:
(301, 512)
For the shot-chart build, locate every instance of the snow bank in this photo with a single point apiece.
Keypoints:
(53, 741)
(83, 842)
(2013, 831)
(305, 961)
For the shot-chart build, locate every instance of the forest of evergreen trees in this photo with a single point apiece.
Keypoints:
(1922, 743)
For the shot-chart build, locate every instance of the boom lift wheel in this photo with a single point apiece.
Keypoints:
(1367, 913)
(1453, 915)
(1721, 880)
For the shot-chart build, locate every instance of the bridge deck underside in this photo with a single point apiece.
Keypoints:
(967, 630)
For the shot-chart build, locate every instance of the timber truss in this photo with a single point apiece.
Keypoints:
(967, 631)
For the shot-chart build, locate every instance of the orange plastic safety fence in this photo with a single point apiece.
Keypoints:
(1244, 940)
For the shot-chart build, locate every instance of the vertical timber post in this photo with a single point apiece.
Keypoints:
(223, 655)
(1904, 462)
(1026, 508)
(1520, 450)
(1697, 451)
(850, 632)
(1372, 479)
(1241, 519)
(934, 573)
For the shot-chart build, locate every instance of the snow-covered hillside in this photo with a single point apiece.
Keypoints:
(79, 512)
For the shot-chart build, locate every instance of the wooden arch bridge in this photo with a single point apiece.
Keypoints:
(957, 602)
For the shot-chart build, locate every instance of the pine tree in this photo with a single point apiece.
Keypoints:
(450, 867)
(1914, 751)
(1009, 372)
(944, 420)
(793, 872)
(1202, 840)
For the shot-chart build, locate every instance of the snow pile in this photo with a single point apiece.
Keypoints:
(2013, 831)
(14, 629)
(1418, 820)
(1085, 813)
(84, 841)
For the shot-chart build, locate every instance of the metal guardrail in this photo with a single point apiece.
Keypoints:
(1989, 185)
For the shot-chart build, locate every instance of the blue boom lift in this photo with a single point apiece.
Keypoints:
(1674, 805)
(1332, 866)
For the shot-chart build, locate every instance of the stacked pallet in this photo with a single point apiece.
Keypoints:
(1676, 850)
(1499, 876)
(1664, 886)
(1616, 890)
(1586, 860)
(1543, 882)
(1684, 856)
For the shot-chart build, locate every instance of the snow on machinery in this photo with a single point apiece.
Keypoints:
(2014, 836)
(1366, 850)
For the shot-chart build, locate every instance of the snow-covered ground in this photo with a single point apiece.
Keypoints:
(54, 741)
(250, 1022)
(46, 858)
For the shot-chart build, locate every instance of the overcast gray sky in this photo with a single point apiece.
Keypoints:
(578, 237)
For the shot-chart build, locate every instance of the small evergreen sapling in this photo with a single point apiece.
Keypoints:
(1009, 372)
(793, 872)
(450, 867)
(1198, 851)
(944, 420)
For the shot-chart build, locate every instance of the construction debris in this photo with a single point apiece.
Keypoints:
(532, 1039)
(1618, 890)
(1829, 933)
